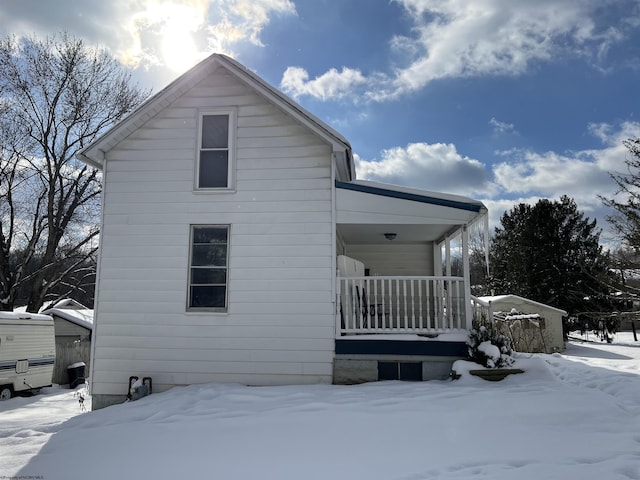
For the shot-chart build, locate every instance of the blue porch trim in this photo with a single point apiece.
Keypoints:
(443, 202)
(401, 347)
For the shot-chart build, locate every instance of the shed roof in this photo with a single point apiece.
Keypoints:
(499, 298)
(72, 311)
(20, 315)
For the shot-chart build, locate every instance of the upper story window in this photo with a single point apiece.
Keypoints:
(216, 150)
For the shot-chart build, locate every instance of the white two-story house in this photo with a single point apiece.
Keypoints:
(238, 246)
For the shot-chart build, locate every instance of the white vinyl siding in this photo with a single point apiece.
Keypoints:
(65, 328)
(279, 326)
(406, 260)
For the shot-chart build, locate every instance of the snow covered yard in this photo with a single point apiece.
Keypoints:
(570, 416)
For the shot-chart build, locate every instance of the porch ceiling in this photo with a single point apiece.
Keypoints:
(371, 234)
(365, 211)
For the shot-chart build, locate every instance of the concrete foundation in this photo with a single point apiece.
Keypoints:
(101, 401)
(353, 369)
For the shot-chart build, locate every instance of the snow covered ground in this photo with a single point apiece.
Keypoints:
(574, 415)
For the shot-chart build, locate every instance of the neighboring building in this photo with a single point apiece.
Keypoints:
(73, 328)
(535, 327)
(226, 207)
(73, 321)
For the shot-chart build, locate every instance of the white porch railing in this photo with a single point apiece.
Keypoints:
(401, 305)
(482, 311)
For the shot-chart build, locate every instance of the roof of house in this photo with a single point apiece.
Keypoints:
(72, 311)
(498, 298)
(94, 153)
(367, 211)
(23, 315)
(422, 196)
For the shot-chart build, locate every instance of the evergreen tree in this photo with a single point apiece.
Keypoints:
(550, 253)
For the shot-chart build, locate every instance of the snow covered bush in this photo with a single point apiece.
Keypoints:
(488, 346)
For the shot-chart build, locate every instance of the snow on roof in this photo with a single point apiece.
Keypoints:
(427, 196)
(18, 315)
(498, 298)
(522, 317)
(72, 311)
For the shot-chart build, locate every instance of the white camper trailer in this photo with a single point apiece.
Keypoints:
(27, 352)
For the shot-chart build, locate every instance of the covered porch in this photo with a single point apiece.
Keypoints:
(403, 262)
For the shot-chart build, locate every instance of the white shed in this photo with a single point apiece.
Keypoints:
(73, 321)
(73, 331)
(544, 322)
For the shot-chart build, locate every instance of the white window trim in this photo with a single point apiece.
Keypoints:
(207, 310)
(231, 170)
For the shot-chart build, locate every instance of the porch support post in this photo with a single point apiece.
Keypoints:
(466, 276)
(446, 285)
(447, 255)
(437, 259)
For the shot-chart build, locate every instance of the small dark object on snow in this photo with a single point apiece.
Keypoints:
(76, 374)
(78, 394)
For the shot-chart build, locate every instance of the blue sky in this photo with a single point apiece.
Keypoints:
(505, 101)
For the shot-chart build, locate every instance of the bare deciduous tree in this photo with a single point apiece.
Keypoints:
(56, 96)
(626, 217)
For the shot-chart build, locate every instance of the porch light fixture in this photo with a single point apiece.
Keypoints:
(390, 236)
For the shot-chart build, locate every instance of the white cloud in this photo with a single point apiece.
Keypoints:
(524, 177)
(501, 127)
(178, 33)
(173, 33)
(162, 33)
(332, 84)
(461, 38)
(436, 167)
(583, 174)
(457, 38)
(246, 18)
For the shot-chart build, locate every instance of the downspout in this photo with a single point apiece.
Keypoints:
(96, 297)
(334, 253)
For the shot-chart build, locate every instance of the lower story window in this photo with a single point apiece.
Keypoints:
(208, 267)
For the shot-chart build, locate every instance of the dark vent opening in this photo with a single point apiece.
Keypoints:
(406, 371)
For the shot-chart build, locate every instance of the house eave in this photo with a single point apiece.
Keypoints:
(431, 198)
